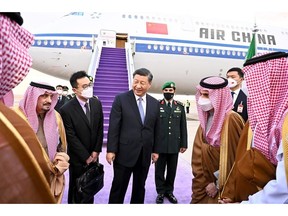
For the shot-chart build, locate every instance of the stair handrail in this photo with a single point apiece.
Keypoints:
(94, 62)
(129, 62)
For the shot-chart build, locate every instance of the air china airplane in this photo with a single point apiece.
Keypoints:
(183, 50)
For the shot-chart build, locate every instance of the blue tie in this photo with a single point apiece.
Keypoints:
(141, 110)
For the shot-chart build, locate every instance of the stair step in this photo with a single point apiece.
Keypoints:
(112, 86)
(105, 73)
(107, 81)
(109, 68)
(113, 77)
(114, 65)
(106, 97)
(109, 56)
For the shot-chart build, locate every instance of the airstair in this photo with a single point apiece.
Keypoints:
(111, 78)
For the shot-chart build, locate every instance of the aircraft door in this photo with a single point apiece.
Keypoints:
(121, 39)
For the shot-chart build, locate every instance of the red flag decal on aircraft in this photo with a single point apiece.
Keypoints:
(156, 28)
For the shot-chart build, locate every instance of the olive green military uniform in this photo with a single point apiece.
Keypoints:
(173, 137)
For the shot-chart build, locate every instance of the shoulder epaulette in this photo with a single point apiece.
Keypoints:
(179, 102)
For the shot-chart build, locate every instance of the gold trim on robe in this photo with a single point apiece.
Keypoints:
(285, 145)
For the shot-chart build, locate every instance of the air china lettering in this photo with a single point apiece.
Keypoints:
(217, 34)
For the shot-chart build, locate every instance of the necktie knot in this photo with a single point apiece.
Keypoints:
(232, 94)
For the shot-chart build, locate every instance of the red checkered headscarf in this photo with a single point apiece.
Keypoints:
(15, 61)
(220, 96)
(266, 76)
(8, 99)
(28, 105)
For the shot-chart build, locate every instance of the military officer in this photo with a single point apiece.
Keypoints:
(173, 140)
(65, 93)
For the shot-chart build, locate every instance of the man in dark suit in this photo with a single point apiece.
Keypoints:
(61, 98)
(133, 138)
(173, 140)
(83, 121)
(235, 77)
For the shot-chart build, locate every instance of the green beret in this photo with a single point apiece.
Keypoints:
(169, 85)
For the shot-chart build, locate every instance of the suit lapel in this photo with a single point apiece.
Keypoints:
(238, 100)
(92, 112)
(134, 106)
(79, 110)
(148, 106)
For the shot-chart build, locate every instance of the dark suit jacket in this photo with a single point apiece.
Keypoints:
(127, 135)
(82, 138)
(60, 103)
(242, 97)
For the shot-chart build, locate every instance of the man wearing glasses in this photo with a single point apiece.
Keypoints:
(83, 121)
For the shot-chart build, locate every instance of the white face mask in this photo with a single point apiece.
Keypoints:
(205, 104)
(232, 83)
(59, 91)
(87, 93)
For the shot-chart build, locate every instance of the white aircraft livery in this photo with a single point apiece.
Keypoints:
(173, 48)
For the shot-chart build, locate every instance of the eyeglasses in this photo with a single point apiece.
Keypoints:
(86, 86)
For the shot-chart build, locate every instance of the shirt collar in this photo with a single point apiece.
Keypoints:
(82, 103)
(143, 97)
(171, 101)
(237, 91)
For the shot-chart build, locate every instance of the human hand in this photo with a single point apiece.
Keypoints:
(211, 190)
(110, 156)
(89, 160)
(60, 162)
(95, 156)
(224, 201)
(182, 150)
